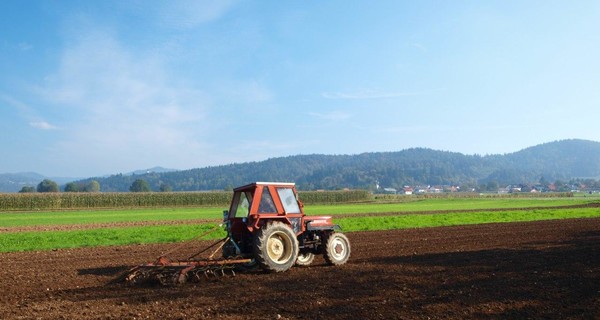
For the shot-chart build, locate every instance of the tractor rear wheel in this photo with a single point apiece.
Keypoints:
(305, 259)
(276, 247)
(337, 249)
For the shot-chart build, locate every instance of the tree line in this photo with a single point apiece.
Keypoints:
(47, 185)
(557, 162)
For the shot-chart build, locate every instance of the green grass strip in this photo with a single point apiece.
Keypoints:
(454, 219)
(26, 241)
(444, 204)
(48, 240)
(106, 216)
(49, 218)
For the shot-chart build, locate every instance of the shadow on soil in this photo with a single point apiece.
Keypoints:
(538, 280)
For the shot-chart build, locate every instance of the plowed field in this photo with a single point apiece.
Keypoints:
(548, 269)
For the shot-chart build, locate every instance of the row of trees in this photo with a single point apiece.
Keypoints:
(47, 185)
(141, 185)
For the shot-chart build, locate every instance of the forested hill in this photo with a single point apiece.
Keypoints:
(418, 166)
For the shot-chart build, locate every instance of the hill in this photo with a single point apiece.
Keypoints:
(564, 160)
(13, 182)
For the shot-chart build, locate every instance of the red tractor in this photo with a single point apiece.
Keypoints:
(266, 222)
(266, 227)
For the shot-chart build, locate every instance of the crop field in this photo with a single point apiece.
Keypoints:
(431, 258)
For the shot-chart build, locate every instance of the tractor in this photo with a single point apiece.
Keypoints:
(267, 229)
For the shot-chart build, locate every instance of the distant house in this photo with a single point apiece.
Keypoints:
(390, 190)
(435, 189)
(420, 189)
(503, 190)
(408, 190)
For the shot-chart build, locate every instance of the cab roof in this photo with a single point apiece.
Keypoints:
(259, 183)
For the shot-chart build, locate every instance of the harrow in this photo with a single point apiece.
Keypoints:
(168, 272)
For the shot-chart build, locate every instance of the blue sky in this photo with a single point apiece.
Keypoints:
(100, 87)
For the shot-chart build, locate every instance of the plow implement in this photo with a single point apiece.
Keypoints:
(167, 271)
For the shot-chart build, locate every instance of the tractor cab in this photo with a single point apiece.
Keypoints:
(257, 203)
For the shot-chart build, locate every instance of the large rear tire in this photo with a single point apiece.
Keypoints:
(276, 247)
(337, 249)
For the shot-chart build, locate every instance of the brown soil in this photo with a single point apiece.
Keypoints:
(548, 269)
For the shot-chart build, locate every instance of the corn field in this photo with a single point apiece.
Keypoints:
(68, 200)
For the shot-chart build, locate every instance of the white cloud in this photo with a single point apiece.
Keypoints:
(27, 113)
(123, 106)
(43, 125)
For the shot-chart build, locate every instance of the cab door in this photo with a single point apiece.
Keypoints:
(290, 207)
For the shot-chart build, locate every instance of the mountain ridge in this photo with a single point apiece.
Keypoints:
(563, 159)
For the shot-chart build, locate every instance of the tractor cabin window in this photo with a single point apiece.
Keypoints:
(241, 205)
(288, 198)
(266, 202)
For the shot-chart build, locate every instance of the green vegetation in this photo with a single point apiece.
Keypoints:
(72, 200)
(443, 204)
(21, 219)
(454, 219)
(106, 216)
(47, 186)
(27, 241)
(95, 200)
(481, 210)
(140, 185)
(21, 241)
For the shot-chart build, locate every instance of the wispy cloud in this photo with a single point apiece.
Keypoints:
(419, 46)
(27, 113)
(248, 91)
(43, 125)
(122, 102)
(331, 116)
(187, 14)
(366, 95)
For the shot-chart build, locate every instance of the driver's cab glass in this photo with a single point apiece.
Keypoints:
(266, 204)
(288, 199)
(241, 204)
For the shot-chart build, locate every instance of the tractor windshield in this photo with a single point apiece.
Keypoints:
(241, 204)
(288, 199)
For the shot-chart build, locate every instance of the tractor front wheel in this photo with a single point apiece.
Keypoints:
(305, 259)
(337, 249)
(276, 247)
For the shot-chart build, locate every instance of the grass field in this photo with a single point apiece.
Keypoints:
(44, 218)
(480, 211)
